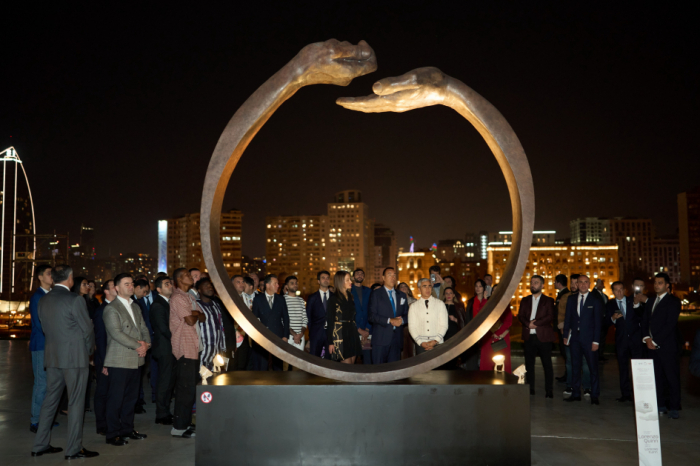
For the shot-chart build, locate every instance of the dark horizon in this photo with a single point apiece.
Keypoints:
(115, 113)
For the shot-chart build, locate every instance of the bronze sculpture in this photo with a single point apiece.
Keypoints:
(334, 62)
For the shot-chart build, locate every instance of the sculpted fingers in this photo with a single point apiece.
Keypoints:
(376, 103)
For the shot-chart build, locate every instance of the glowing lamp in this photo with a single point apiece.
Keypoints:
(499, 360)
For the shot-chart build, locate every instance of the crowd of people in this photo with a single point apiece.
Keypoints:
(176, 329)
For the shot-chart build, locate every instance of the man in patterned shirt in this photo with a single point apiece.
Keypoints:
(212, 329)
(184, 315)
(298, 321)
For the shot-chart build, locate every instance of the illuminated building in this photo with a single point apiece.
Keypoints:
(184, 246)
(634, 236)
(256, 265)
(451, 250)
(689, 232)
(413, 266)
(17, 218)
(385, 251)
(539, 238)
(549, 261)
(666, 257)
(137, 263)
(350, 233)
(296, 245)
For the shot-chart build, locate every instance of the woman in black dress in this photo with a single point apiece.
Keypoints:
(342, 331)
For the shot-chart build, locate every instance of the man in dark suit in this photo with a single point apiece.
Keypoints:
(660, 334)
(102, 388)
(142, 290)
(316, 315)
(388, 313)
(70, 341)
(271, 309)
(162, 350)
(360, 295)
(582, 335)
(536, 314)
(620, 312)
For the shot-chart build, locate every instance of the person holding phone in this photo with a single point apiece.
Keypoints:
(620, 312)
(437, 281)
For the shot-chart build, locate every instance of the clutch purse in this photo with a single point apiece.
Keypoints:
(499, 345)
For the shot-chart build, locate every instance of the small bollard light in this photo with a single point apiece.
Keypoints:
(499, 360)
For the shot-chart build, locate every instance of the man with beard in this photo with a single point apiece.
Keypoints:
(316, 314)
(360, 294)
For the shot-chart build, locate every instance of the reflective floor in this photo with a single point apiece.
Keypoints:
(562, 434)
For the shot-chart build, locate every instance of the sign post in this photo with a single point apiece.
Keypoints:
(646, 412)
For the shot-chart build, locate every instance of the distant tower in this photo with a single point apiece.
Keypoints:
(17, 218)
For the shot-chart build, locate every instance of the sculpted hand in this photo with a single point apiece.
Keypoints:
(334, 62)
(422, 87)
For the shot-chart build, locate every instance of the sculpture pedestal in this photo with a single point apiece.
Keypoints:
(437, 418)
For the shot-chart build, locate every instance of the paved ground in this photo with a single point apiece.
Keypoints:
(562, 434)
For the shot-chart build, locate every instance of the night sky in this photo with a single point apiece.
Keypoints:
(115, 113)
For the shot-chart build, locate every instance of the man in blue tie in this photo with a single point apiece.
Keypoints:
(388, 313)
(582, 335)
(628, 341)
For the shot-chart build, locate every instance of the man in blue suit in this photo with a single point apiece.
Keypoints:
(360, 294)
(628, 341)
(36, 344)
(316, 314)
(101, 372)
(271, 309)
(582, 335)
(388, 313)
(660, 334)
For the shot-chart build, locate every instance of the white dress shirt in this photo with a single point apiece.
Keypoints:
(535, 303)
(656, 301)
(428, 323)
(392, 294)
(127, 305)
(64, 286)
(581, 300)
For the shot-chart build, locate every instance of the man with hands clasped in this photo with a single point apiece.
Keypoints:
(628, 341)
(427, 318)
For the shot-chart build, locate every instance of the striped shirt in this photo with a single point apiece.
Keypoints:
(297, 313)
(211, 332)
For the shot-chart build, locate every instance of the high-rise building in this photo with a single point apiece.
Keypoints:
(481, 240)
(539, 238)
(256, 265)
(87, 241)
(634, 236)
(296, 245)
(413, 266)
(451, 250)
(666, 257)
(596, 261)
(385, 251)
(16, 219)
(350, 233)
(184, 243)
(689, 235)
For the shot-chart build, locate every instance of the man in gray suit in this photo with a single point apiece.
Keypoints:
(70, 340)
(128, 340)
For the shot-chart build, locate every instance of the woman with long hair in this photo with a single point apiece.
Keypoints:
(409, 346)
(500, 331)
(455, 312)
(342, 331)
(80, 286)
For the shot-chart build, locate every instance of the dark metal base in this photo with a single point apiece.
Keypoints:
(437, 418)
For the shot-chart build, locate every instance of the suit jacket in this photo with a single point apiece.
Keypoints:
(123, 335)
(662, 325)
(543, 318)
(100, 337)
(588, 322)
(145, 312)
(70, 338)
(695, 356)
(160, 323)
(560, 306)
(36, 340)
(627, 329)
(316, 315)
(362, 310)
(275, 318)
(380, 311)
(439, 292)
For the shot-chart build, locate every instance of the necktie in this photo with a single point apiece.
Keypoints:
(622, 308)
(325, 301)
(658, 298)
(270, 300)
(393, 304)
(580, 308)
(148, 303)
(426, 304)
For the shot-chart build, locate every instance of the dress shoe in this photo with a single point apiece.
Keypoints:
(166, 421)
(136, 436)
(83, 453)
(549, 394)
(139, 409)
(573, 398)
(663, 410)
(622, 399)
(587, 392)
(102, 433)
(568, 391)
(594, 401)
(673, 414)
(187, 433)
(562, 379)
(532, 391)
(117, 441)
(47, 450)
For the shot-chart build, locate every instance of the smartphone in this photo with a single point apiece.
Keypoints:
(637, 290)
(432, 277)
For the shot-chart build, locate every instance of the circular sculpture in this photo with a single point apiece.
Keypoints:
(334, 62)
